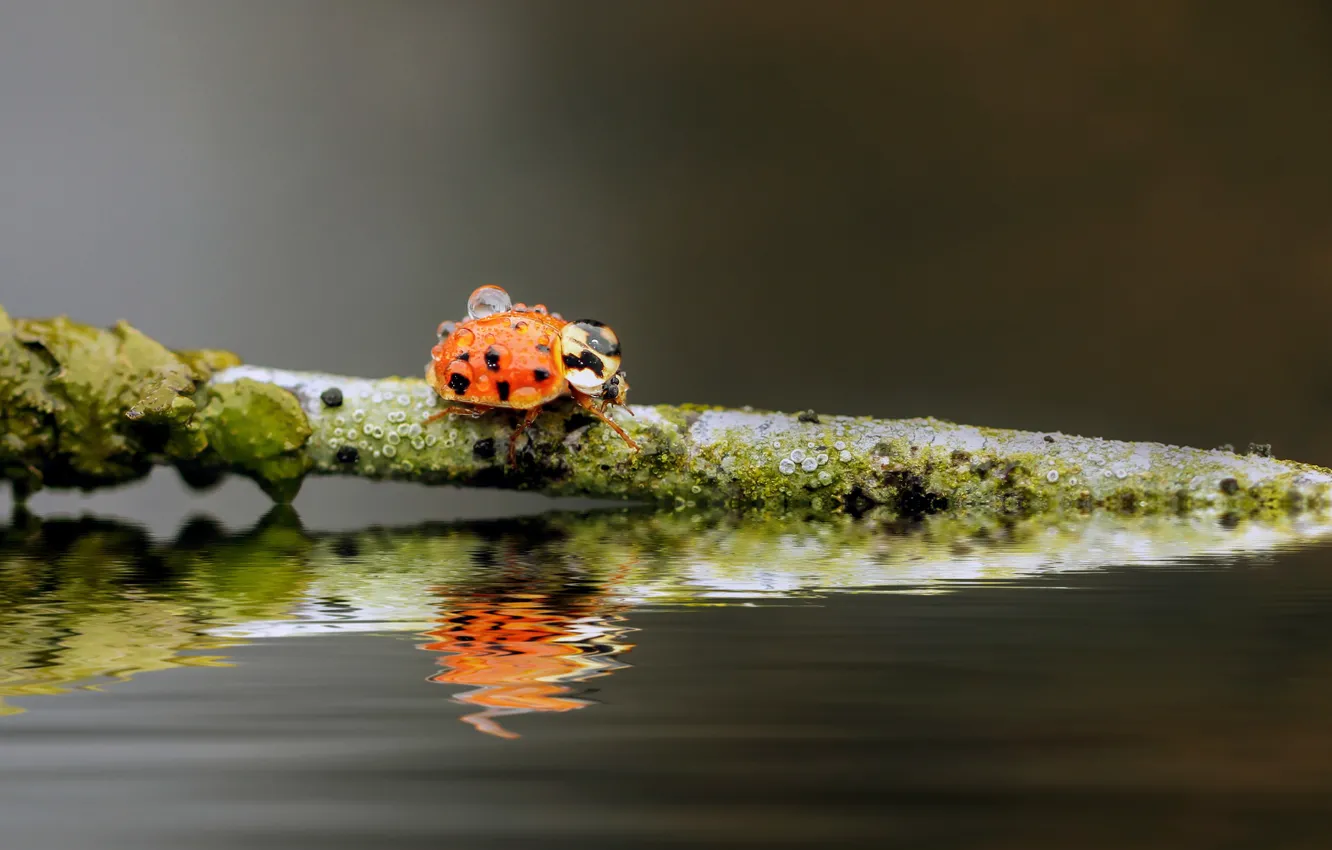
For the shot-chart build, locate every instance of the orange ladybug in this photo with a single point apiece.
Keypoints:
(519, 357)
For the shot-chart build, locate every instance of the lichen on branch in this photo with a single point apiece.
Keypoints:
(86, 407)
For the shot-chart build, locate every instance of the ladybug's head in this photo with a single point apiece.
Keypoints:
(591, 356)
(616, 390)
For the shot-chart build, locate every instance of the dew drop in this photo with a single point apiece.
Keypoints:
(339, 420)
(418, 443)
(825, 476)
(337, 433)
(839, 445)
(787, 466)
(844, 456)
(822, 458)
(367, 429)
(378, 433)
(414, 428)
(390, 451)
(810, 444)
(1052, 476)
(696, 489)
(797, 455)
(487, 301)
(393, 438)
(1121, 474)
(358, 416)
(431, 439)
(404, 399)
(809, 464)
(404, 430)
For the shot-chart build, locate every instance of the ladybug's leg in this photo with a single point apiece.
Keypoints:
(473, 411)
(589, 404)
(531, 416)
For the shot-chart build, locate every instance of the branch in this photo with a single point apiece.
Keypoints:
(85, 407)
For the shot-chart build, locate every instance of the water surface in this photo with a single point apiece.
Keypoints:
(638, 680)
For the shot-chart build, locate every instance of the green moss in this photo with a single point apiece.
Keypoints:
(258, 429)
(74, 397)
(205, 361)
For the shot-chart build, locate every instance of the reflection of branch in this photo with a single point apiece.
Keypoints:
(524, 607)
(84, 407)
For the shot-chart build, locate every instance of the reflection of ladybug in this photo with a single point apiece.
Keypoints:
(522, 357)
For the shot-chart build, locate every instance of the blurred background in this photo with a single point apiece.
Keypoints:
(1106, 219)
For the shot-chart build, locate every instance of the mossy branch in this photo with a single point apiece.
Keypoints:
(86, 407)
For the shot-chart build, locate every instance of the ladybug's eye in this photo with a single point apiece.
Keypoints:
(591, 354)
(616, 388)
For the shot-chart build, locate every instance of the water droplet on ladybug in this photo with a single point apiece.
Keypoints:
(487, 301)
(464, 337)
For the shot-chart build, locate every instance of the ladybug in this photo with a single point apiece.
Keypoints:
(519, 357)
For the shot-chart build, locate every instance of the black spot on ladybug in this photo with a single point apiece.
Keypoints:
(464, 357)
(544, 349)
(492, 359)
(502, 387)
(1229, 486)
(458, 382)
(484, 449)
(331, 397)
(540, 374)
(348, 454)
